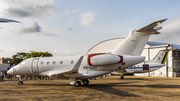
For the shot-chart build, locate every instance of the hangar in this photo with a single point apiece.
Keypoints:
(172, 67)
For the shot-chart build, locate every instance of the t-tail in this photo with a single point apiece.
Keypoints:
(137, 39)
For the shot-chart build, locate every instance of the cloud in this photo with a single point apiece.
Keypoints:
(34, 28)
(87, 19)
(51, 33)
(57, 52)
(69, 29)
(27, 9)
(72, 12)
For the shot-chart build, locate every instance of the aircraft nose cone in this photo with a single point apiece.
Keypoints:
(10, 72)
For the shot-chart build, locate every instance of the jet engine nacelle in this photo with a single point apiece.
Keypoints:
(102, 59)
(132, 60)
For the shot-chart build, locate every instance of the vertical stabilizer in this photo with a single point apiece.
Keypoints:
(137, 39)
(160, 57)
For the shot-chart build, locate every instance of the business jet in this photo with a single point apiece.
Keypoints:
(148, 66)
(79, 69)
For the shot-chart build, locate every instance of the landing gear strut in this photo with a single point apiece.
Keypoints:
(122, 77)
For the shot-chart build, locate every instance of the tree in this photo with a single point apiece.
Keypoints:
(17, 58)
(39, 54)
(5, 58)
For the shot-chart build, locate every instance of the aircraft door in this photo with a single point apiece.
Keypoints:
(34, 66)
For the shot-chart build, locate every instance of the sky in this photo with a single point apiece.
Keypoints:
(72, 27)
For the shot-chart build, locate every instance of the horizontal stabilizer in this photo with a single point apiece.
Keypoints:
(151, 26)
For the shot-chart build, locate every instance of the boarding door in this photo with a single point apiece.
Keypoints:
(35, 66)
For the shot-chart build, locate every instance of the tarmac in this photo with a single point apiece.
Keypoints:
(110, 88)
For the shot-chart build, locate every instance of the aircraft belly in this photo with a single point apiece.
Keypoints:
(94, 74)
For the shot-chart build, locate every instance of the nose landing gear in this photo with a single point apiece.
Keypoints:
(122, 77)
(20, 81)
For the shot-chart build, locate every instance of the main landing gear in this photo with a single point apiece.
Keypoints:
(78, 83)
(122, 77)
(85, 82)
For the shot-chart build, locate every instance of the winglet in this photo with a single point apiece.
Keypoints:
(151, 27)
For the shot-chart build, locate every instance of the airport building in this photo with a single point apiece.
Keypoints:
(4, 64)
(172, 65)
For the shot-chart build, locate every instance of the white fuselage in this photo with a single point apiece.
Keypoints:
(59, 65)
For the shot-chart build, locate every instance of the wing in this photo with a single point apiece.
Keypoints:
(62, 74)
(8, 20)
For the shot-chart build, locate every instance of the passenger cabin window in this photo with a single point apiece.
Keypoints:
(41, 63)
(61, 62)
(48, 63)
(54, 63)
(72, 62)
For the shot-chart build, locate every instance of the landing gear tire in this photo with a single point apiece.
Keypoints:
(20, 82)
(85, 82)
(77, 84)
(122, 77)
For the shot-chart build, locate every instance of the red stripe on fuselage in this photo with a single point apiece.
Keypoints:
(121, 57)
(91, 55)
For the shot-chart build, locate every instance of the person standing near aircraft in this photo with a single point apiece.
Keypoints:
(2, 75)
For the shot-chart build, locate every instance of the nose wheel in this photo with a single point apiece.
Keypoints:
(20, 82)
(122, 77)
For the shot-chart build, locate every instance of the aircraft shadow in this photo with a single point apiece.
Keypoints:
(100, 87)
(153, 86)
(131, 79)
(109, 89)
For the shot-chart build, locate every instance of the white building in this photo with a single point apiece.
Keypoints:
(4, 67)
(172, 68)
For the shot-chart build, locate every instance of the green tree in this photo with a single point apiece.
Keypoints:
(39, 54)
(17, 58)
